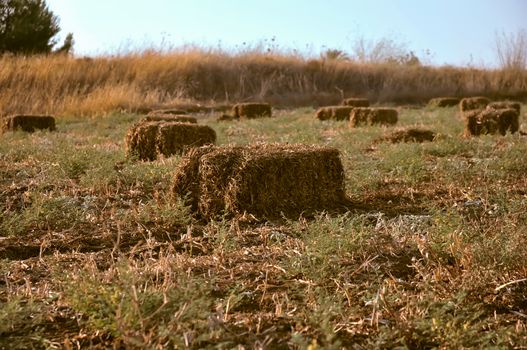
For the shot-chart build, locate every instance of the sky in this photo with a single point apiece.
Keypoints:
(440, 32)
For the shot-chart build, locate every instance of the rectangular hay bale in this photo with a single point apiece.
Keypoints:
(334, 113)
(27, 123)
(491, 121)
(261, 180)
(441, 102)
(251, 110)
(170, 118)
(473, 103)
(373, 116)
(148, 140)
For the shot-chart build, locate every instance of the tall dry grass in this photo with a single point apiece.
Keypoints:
(86, 86)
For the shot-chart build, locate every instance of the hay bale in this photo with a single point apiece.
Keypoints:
(409, 135)
(261, 180)
(473, 103)
(373, 116)
(441, 102)
(251, 110)
(356, 102)
(169, 118)
(491, 121)
(505, 104)
(27, 123)
(334, 113)
(148, 140)
(168, 111)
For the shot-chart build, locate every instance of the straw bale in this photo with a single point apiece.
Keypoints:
(169, 118)
(251, 110)
(372, 116)
(473, 103)
(334, 112)
(168, 111)
(440, 102)
(148, 140)
(409, 135)
(491, 121)
(261, 180)
(356, 102)
(505, 104)
(27, 123)
(175, 138)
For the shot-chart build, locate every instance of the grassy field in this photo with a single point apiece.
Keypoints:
(95, 252)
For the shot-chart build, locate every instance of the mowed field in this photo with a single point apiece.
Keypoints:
(431, 253)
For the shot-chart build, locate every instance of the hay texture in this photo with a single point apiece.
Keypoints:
(148, 140)
(356, 102)
(265, 181)
(505, 104)
(473, 104)
(168, 111)
(169, 118)
(27, 123)
(251, 110)
(491, 121)
(373, 116)
(441, 102)
(409, 135)
(334, 113)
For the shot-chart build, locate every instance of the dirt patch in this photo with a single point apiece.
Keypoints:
(441, 102)
(408, 135)
(373, 116)
(265, 181)
(334, 113)
(148, 140)
(356, 102)
(251, 110)
(27, 123)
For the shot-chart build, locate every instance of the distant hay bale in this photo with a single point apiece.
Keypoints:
(168, 111)
(356, 102)
(373, 116)
(334, 113)
(148, 140)
(473, 103)
(409, 135)
(505, 104)
(27, 123)
(251, 110)
(266, 181)
(441, 102)
(491, 121)
(169, 118)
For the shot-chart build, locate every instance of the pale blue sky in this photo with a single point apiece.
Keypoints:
(457, 32)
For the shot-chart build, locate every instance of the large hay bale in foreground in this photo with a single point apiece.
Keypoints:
(473, 103)
(441, 102)
(334, 113)
(169, 118)
(148, 140)
(27, 123)
(251, 110)
(261, 180)
(505, 104)
(356, 102)
(491, 121)
(373, 116)
(409, 135)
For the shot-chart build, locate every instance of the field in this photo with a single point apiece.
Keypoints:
(430, 254)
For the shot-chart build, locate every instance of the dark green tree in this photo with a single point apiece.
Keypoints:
(28, 27)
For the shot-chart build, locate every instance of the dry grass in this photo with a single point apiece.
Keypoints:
(61, 85)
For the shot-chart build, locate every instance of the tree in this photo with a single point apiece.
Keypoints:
(511, 50)
(29, 27)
